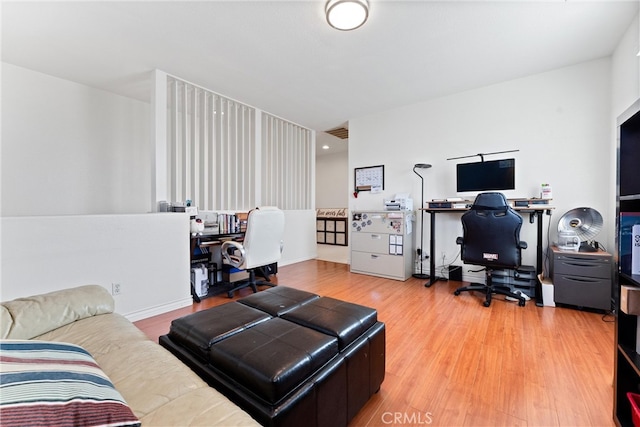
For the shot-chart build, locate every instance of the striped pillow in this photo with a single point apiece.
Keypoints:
(57, 384)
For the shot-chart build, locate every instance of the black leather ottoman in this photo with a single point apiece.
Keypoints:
(312, 361)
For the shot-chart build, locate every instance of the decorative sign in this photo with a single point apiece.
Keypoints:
(369, 179)
(331, 213)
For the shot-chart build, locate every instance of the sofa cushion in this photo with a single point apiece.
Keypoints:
(50, 383)
(32, 316)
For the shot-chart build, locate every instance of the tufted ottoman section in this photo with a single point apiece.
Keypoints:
(279, 300)
(274, 357)
(363, 352)
(343, 320)
(197, 331)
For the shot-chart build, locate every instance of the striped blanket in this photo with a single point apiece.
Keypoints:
(57, 384)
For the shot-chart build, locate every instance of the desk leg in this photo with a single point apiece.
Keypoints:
(539, 219)
(432, 248)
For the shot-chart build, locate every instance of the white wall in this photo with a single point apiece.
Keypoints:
(75, 152)
(71, 149)
(625, 76)
(147, 254)
(332, 179)
(299, 236)
(47, 253)
(559, 120)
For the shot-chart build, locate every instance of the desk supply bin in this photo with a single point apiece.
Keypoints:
(522, 279)
(232, 274)
(634, 400)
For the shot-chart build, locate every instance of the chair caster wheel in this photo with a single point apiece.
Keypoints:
(521, 303)
(486, 303)
(456, 293)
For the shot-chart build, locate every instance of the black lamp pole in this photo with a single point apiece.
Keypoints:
(421, 275)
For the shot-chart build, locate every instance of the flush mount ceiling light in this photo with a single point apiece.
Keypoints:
(347, 15)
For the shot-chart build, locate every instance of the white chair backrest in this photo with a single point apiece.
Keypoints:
(264, 237)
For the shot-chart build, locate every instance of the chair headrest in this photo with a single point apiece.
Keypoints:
(490, 201)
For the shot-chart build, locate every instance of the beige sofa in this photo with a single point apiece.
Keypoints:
(159, 389)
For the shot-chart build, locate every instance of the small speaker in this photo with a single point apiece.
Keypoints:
(455, 272)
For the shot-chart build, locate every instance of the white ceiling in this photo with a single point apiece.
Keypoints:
(282, 56)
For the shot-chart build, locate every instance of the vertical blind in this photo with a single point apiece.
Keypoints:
(213, 148)
(287, 167)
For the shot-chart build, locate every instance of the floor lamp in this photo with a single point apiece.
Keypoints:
(421, 275)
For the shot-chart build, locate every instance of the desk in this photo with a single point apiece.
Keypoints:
(204, 242)
(535, 215)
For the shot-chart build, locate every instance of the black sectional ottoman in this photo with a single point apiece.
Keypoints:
(287, 357)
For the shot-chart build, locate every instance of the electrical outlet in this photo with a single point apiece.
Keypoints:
(116, 289)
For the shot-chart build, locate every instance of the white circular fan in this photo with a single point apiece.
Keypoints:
(586, 223)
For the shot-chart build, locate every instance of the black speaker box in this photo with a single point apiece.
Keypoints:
(455, 272)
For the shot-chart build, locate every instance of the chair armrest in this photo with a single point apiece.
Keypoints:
(459, 240)
(523, 245)
(233, 253)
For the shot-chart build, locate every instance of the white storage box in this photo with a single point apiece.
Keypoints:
(200, 280)
(547, 291)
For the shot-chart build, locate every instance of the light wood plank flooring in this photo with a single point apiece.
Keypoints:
(453, 362)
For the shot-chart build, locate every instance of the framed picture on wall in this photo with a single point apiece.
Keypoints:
(369, 178)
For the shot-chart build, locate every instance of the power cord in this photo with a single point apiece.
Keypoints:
(605, 317)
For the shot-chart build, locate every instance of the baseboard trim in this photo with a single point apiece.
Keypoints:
(159, 309)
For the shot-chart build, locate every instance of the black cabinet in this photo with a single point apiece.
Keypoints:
(582, 279)
(627, 357)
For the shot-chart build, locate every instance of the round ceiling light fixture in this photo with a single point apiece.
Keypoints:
(347, 15)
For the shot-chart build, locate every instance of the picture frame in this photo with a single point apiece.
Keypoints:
(370, 178)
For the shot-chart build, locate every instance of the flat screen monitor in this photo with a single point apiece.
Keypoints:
(483, 176)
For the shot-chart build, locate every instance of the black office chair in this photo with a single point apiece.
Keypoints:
(491, 238)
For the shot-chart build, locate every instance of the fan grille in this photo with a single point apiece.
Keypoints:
(585, 222)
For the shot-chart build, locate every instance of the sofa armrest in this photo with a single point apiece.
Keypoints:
(25, 318)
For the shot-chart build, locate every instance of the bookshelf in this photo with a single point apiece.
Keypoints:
(627, 352)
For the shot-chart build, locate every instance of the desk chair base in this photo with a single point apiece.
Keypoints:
(489, 290)
(252, 282)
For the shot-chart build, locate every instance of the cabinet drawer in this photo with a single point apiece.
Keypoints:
(370, 242)
(582, 291)
(378, 264)
(576, 265)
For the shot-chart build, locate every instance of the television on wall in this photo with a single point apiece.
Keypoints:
(484, 176)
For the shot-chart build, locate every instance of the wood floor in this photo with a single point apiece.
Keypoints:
(453, 362)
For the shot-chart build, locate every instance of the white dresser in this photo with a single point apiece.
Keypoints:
(382, 243)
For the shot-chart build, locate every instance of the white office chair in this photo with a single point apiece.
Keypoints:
(262, 246)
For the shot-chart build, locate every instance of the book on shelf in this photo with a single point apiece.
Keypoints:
(228, 223)
(630, 243)
(635, 249)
